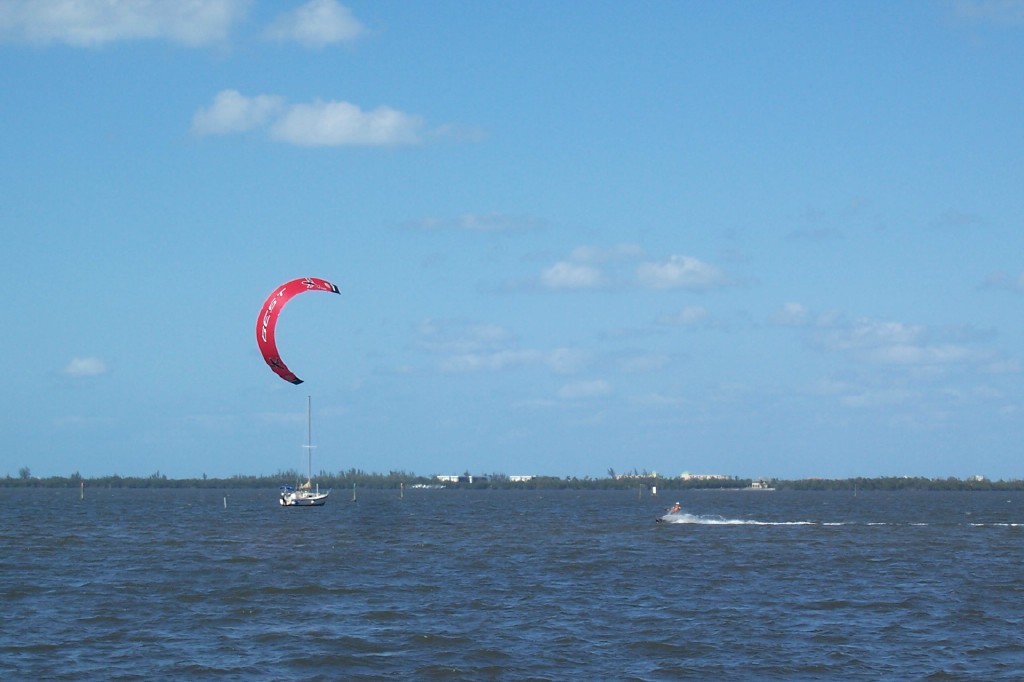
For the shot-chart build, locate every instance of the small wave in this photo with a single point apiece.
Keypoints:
(997, 524)
(714, 520)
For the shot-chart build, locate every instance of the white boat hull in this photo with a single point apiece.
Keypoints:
(303, 499)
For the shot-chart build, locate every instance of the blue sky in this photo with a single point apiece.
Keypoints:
(756, 239)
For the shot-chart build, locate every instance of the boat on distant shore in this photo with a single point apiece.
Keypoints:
(759, 485)
(306, 494)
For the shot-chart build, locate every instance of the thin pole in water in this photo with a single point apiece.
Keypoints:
(353, 491)
(401, 490)
(225, 501)
(81, 489)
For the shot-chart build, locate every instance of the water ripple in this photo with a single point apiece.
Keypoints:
(460, 585)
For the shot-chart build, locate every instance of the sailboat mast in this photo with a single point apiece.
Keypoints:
(309, 438)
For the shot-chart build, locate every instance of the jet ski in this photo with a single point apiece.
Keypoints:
(671, 515)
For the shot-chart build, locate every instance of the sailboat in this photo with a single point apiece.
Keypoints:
(305, 495)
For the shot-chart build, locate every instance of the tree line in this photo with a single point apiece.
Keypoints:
(498, 481)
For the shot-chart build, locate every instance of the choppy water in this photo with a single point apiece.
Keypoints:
(511, 585)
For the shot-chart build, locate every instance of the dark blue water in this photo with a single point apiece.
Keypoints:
(511, 585)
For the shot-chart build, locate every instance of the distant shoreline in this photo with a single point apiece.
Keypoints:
(397, 480)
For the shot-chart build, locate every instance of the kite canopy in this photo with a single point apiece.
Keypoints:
(266, 323)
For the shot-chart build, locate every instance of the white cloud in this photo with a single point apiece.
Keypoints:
(458, 132)
(92, 23)
(959, 221)
(906, 354)
(492, 361)
(310, 125)
(565, 275)
(639, 364)
(454, 337)
(494, 222)
(586, 266)
(342, 123)
(85, 367)
(480, 222)
(316, 24)
(594, 254)
(874, 334)
(690, 316)
(233, 112)
(911, 367)
(679, 272)
(585, 389)
(475, 347)
(994, 11)
(879, 398)
(790, 315)
(898, 344)
(559, 361)
(564, 360)
(1004, 366)
(1003, 280)
(657, 400)
(591, 267)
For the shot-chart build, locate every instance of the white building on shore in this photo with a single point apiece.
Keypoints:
(687, 476)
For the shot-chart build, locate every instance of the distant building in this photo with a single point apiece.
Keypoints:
(463, 478)
(687, 476)
(521, 479)
(760, 484)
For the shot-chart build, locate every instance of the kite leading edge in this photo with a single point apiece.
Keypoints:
(266, 323)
